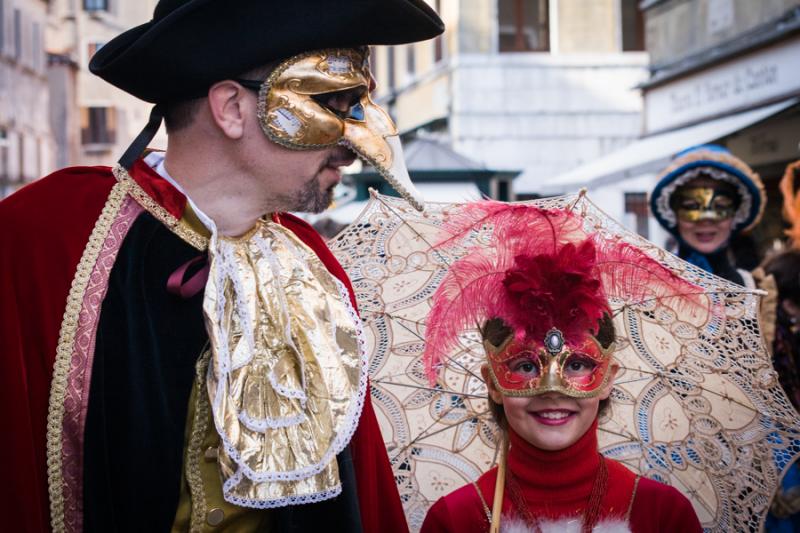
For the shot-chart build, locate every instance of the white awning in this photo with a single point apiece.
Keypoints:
(432, 192)
(344, 214)
(449, 192)
(652, 154)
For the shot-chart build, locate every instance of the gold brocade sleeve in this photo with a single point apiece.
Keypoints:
(201, 506)
(287, 376)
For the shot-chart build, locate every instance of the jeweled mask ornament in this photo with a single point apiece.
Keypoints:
(579, 370)
(292, 115)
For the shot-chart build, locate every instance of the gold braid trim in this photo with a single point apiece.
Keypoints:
(66, 339)
(633, 497)
(486, 511)
(175, 225)
(194, 447)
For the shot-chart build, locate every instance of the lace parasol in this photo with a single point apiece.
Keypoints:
(696, 403)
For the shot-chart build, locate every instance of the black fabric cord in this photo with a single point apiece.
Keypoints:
(141, 141)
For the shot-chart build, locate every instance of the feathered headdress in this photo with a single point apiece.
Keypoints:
(541, 271)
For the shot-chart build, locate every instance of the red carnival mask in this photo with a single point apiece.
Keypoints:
(550, 365)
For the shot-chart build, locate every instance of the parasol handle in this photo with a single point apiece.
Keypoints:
(499, 486)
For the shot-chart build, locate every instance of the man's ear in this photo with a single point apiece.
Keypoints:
(226, 101)
(494, 394)
(605, 392)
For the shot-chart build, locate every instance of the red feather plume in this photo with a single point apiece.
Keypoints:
(555, 290)
(542, 270)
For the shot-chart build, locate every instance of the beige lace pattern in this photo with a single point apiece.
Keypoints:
(696, 404)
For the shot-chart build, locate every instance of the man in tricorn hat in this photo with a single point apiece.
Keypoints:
(177, 351)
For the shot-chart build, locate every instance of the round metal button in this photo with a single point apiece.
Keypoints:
(215, 516)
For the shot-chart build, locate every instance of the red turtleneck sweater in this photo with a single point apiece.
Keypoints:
(557, 484)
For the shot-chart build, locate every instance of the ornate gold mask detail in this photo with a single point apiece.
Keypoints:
(520, 369)
(704, 203)
(292, 112)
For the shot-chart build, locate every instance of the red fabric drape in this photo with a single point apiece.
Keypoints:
(44, 231)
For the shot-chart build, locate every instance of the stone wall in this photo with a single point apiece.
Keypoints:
(26, 140)
(587, 26)
(677, 29)
(545, 114)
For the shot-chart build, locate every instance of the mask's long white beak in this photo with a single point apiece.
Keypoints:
(397, 175)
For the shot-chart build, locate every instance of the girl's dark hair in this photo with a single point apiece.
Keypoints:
(605, 331)
(495, 330)
(605, 336)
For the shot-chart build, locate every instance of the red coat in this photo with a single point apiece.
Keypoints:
(45, 230)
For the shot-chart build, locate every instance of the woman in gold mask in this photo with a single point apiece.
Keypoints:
(706, 198)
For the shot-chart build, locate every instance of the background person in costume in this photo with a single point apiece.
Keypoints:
(178, 353)
(706, 198)
(541, 298)
(784, 267)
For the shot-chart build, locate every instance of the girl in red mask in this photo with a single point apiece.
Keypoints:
(541, 297)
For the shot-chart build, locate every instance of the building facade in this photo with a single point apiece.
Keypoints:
(534, 85)
(722, 71)
(53, 111)
(93, 120)
(745, 57)
(26, 140)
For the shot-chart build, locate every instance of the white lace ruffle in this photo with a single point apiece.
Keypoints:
(298, 499)
(341, 440)
(225, 365)
(564, 525)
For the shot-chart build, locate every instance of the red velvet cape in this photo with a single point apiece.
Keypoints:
(46, 226)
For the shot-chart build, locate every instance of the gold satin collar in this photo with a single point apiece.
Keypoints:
(287, 377)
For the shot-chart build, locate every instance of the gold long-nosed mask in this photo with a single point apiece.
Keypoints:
(292, 112)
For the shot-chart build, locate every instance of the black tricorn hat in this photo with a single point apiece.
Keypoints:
(191, 44)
